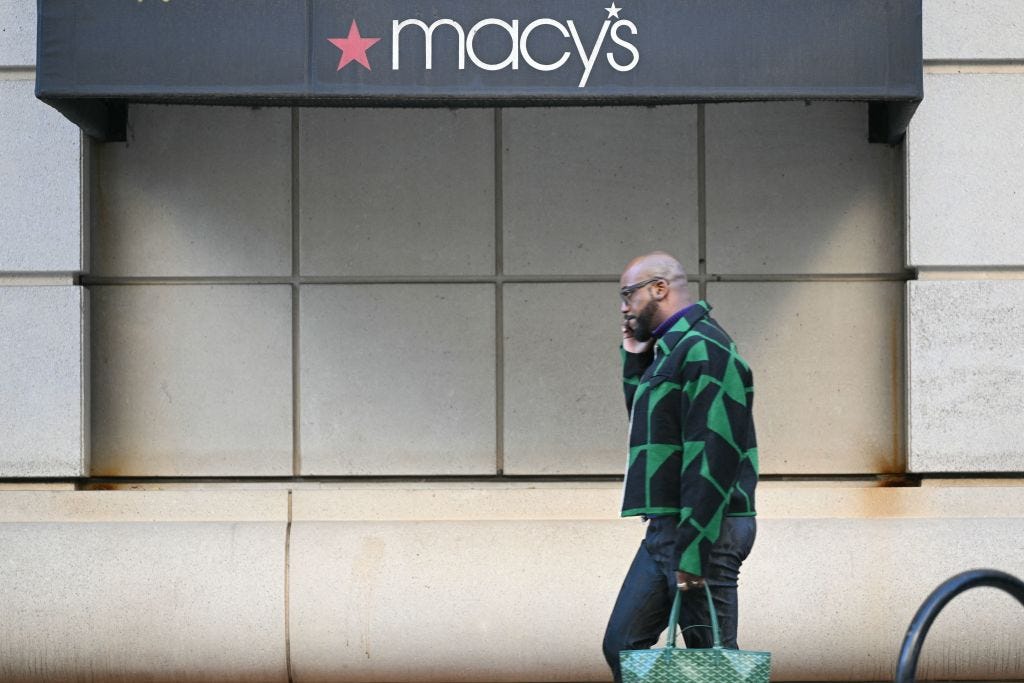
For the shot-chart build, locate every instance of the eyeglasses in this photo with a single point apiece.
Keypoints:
(626, 292)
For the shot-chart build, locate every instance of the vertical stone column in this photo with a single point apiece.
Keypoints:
(43, 340)
(966, 310)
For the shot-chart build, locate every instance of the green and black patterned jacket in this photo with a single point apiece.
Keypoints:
(692, 448)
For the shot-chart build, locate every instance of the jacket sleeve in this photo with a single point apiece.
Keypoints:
(633, 367)
(714, 397)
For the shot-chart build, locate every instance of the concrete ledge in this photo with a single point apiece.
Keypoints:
(476, 582)
(129, 586)
(600, 502)
(502, 585)
(36, 486)
(522, 601)
(71, 507)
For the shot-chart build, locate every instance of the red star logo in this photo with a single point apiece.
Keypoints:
(353, 47)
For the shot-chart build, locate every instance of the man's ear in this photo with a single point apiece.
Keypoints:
(660, 290)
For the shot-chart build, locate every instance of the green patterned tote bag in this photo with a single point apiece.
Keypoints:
(680, 665)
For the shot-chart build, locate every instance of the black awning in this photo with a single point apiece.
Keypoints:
(95, 57)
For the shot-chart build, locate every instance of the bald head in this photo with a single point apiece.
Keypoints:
(653, 288)
(657, 264)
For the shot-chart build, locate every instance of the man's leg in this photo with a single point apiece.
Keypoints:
(722, 574)
(641, 610)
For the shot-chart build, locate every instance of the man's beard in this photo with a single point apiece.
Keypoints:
(644, 326)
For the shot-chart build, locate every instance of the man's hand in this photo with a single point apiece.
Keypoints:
(687, 581)
(630, 343)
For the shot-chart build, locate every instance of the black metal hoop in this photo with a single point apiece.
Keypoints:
(906, 669)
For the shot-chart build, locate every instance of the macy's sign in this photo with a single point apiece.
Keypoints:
(612, 42)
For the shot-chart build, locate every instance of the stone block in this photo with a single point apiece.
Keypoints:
(500, 615)
(495, 614)
(964, 164)
(973, 29)
(195, 191)
(966, 371)
(17, 33)
(564, 409)
(397, 379)
(192, 380)
(797, 188)
(43, 409)
(94, 591)
(585, 190)
(828, 371)
(861, 582)
(40, 183)
(383, 189)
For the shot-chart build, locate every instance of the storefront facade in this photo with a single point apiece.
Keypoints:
(331, 393)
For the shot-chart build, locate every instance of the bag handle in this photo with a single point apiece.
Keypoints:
(673, 619)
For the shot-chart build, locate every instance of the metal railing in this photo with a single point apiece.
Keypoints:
(906, 668)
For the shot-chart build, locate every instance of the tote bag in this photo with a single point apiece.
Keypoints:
(681, 665)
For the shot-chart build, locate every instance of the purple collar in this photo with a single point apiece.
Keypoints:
(670, 321)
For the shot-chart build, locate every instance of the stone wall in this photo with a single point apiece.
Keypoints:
(44, 416)
(246, 311)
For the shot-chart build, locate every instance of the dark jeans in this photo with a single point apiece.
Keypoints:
(642, 609)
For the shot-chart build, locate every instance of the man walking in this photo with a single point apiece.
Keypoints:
(692, 465)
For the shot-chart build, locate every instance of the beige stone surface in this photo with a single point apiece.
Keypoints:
(40, 182)
(195, 191)
(972, 274)
(965, 158)
(129, 602)
(36, 486)
(564, 411)
(397, 379)
(44, 411)
(460, 501)
(492, 601)
(17, 33)
(599, 501)
(966, 375)
(967, 480)
(147, 507)
(836, 571)
(585, 190)
(463, 581)
(797, 188)
(848, 590)
(192, 380)
(973, 29)
(396, 191)
(828, 371)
